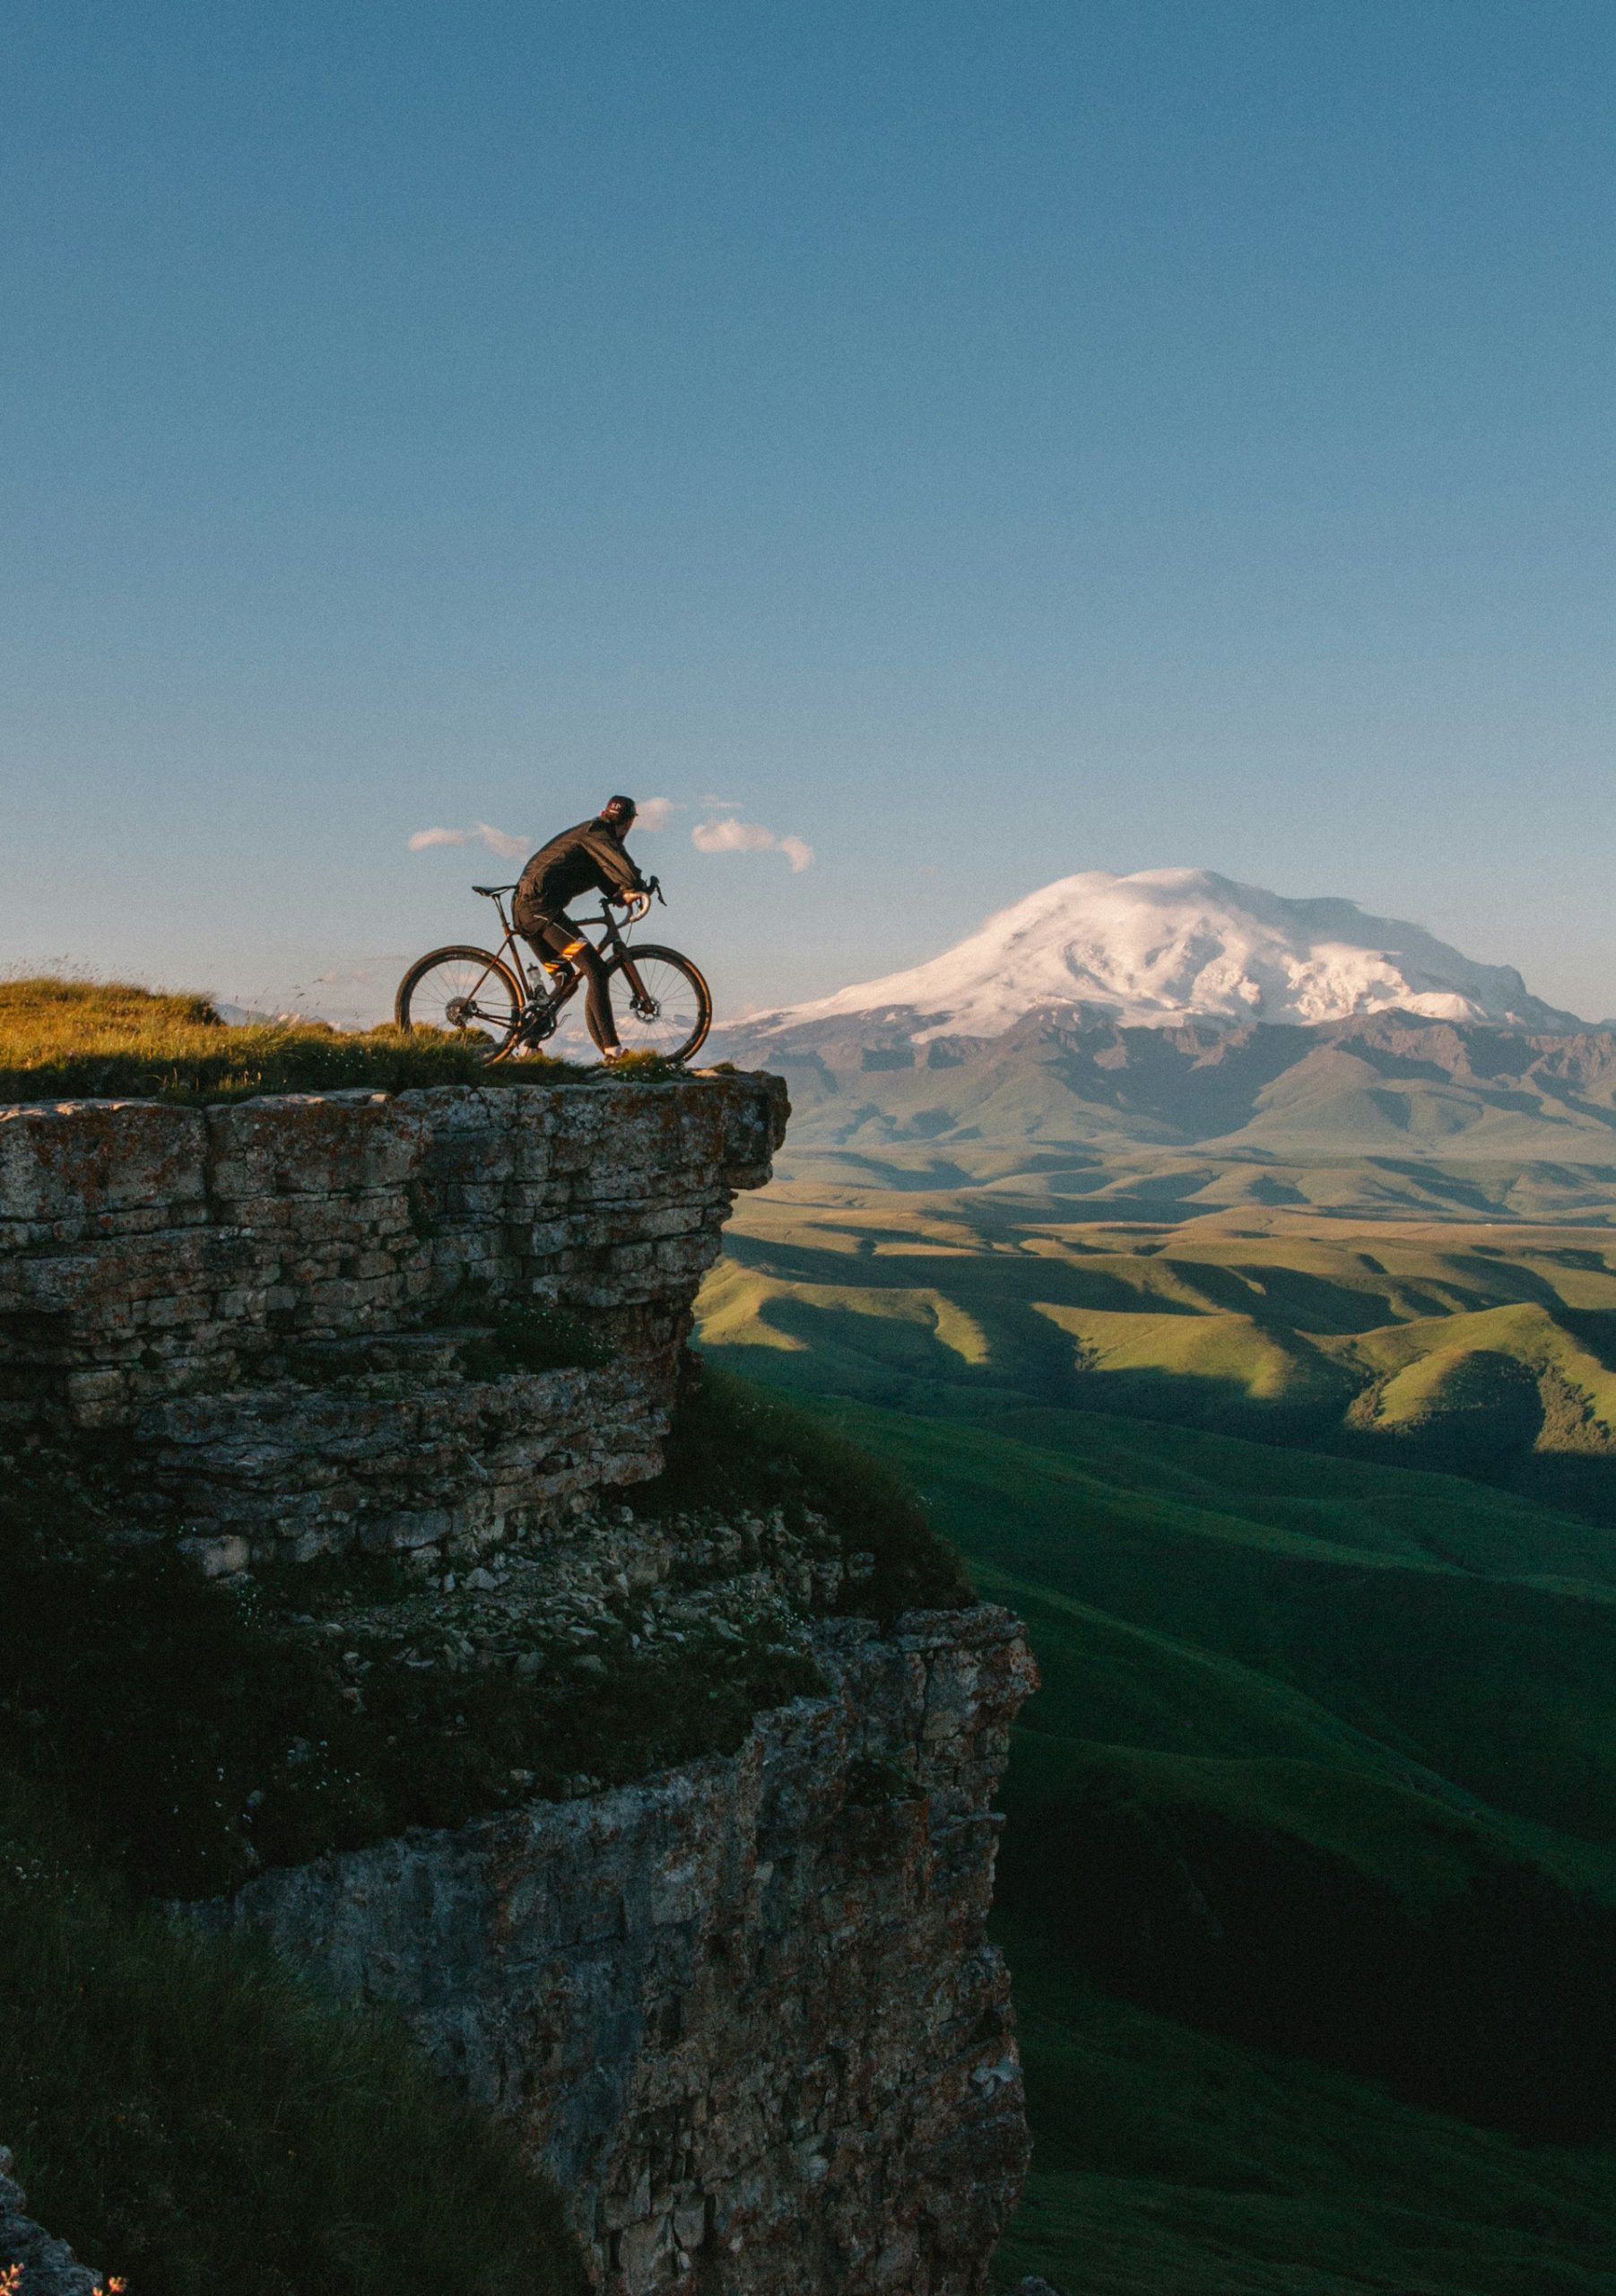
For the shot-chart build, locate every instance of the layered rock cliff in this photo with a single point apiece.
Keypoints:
(272, 1300)
(744, 2011)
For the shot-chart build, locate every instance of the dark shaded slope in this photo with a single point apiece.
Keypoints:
(1170, 2162)
(1319, 1762)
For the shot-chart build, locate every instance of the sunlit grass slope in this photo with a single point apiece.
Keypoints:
(1489, 1351)
(68, 1040)
(1319, 1782)
(1129, 1181)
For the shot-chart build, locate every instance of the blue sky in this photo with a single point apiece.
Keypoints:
(979, 442)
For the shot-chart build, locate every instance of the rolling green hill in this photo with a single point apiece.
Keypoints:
(1321, 1770)
(1170, 2162)
(1488, 1350)
(1321, 1774)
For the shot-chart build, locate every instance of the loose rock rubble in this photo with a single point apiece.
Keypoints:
(570, 1594)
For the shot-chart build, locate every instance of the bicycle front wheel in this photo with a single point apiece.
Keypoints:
(467, 994)
(660, 1002)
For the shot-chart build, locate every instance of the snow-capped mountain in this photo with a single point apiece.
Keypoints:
(1166, 945)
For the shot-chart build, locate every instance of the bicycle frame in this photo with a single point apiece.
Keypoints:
(516, 951)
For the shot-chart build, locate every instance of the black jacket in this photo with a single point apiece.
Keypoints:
(585, 859)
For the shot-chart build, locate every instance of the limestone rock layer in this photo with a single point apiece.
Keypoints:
(270, 1301)
(746, 2011)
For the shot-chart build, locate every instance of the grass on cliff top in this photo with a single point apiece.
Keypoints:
(188, 2115)
(68, 1040)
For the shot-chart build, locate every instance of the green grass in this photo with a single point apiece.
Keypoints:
(1333, 1740)
(1459, 1663)
(736, 1446)
(1319, 1790)
(65, 1040)
(1171, 2162)
(1398, 1616)
(188, 2115)
(1482, 1351)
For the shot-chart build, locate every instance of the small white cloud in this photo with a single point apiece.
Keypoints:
(496, 840)
(655, 812)
(732, 837)
(728, 835)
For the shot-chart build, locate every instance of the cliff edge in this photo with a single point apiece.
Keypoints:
(741, 2008)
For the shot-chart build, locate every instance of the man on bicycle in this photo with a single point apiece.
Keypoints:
(589, 858)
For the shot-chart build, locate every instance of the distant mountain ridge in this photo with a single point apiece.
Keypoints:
(1386, 1084)
(1168, 945)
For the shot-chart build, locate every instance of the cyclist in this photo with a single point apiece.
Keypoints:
(589, 858)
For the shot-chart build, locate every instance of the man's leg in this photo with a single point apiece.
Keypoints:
(559, 937)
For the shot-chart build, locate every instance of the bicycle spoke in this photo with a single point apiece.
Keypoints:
(464, 997)
(661, 1014)
(659, 1005)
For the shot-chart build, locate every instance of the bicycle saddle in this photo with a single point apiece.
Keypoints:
(491, 890)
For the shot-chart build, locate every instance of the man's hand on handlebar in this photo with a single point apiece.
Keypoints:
(637, 904)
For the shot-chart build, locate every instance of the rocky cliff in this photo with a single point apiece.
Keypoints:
(744, 2010)
(31, 2262)
(271, 1302)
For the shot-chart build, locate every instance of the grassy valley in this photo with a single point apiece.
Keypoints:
(1173, 2162)
(1482, 1347)
(1310, 1876)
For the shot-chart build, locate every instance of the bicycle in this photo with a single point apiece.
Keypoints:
(659, 1000)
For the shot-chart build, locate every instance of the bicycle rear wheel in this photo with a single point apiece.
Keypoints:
(659, 1001)
(468, 994)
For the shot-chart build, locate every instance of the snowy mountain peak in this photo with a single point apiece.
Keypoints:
(1169, 944)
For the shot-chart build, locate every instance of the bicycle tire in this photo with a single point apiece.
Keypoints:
(500, 1029)
(643, 955)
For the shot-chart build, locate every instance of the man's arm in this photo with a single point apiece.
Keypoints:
(612, 862)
